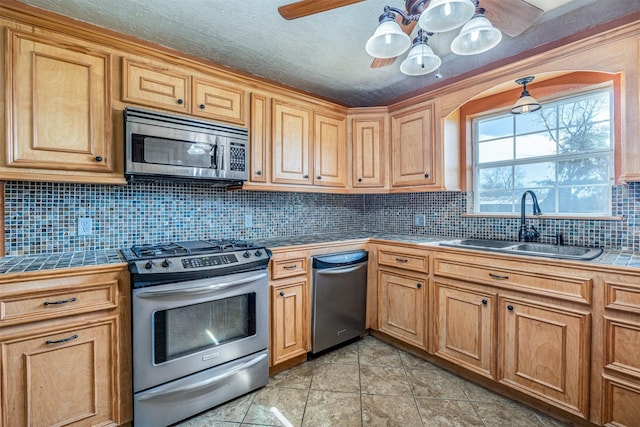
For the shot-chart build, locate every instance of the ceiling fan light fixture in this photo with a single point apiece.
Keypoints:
(421, 60)
(388, 41)
(476, 36)
(445, 15)
(526, 103)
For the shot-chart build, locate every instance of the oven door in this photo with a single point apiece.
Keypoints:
(186, 327)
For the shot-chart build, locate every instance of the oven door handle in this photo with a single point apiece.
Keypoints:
(200, 289)
(170, 390)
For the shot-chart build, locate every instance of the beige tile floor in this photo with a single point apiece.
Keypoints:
(370, 383)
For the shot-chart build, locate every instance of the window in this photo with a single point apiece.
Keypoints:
(563, 152)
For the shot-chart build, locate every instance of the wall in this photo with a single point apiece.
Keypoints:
(42, 217)
(445, 214)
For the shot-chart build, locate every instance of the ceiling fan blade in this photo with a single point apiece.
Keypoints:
(383, 62)
(310, 7)
(512, 17)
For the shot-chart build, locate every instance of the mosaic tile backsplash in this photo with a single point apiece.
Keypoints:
(43, 217)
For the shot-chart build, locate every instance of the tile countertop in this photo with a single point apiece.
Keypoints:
(28, 263)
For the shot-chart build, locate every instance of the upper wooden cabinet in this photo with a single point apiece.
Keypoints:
(58, 111)
(259, 134)
(413, 151)
(329, 142)
(181, 90)
(291, 143)
(369, 144)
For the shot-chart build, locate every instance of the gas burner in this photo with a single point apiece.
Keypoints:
(165, 249)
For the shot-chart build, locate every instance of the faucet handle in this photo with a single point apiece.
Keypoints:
(559, 238)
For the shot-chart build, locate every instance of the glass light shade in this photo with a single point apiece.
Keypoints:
(476, 36)
(388, 41)
(420, 60)
(525, 104)
(446, 15)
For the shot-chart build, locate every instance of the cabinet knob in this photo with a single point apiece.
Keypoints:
(418, 285)
(180, 101)
(510, 307)
(485, 302)
(426, 175)
(359, 179)
(281, 293)
(318, 177)
(98, 158)
(201, 106)
(259, 173)
(306, 176)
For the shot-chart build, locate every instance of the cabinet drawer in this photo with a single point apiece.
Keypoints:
(621, 346)
(415, 261)
(571, 288)
(49, 304)
(281, 268)
(620, 296)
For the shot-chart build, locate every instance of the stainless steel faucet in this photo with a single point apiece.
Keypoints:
(524, 233)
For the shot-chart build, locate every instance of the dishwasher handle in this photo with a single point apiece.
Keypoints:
(340, 259)
(342, 270)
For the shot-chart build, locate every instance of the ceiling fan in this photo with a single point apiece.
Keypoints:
(512, 17)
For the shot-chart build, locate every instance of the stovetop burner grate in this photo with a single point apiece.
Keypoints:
(189, 248)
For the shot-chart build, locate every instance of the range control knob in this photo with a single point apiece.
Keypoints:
(149, 265)
(258, 253)
(166, 263)
(246, 254)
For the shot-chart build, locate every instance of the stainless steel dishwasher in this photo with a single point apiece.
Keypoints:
(338, 298)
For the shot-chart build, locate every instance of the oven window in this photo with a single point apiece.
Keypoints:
(186, 330)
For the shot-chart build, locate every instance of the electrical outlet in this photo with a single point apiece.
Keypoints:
(85, 226)
(419, 220)
(248, 220)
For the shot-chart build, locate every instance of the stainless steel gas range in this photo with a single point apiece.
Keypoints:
(200, 326)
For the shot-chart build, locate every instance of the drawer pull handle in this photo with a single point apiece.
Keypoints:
(290, 267)
(418, 285)
(282, 293)
(402, 260)
(485, 302)
(498, 277)
(64, 301)
(71, 338)
(510, 307)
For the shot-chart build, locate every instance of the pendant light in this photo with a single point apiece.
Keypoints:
(446, 15)
(388, 41)
(421, 59)
(476, 36)
(526, 103)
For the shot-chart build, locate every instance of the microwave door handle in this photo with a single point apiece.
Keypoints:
(200, 289)
(221, 166)
(214, 156)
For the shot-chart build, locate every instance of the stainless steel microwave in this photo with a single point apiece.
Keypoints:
(160, 146)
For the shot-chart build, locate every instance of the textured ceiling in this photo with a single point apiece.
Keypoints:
(324, 53)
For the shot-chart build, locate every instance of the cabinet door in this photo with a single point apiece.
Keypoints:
(464, 327)
(218, 101)
(620, 402)
(291, 143)
(59, 105)
(401, 307)
(61, 378)
(330, 140)
(289, 323)
(259, 134)
(412, 147)
(155, 86)
(368, 152)
(544, 352)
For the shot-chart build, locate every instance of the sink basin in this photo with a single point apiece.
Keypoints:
(528, 248)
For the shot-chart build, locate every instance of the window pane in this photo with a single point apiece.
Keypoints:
(535, 175)
(495, 128)
(496, 150)
(529, 123)
(496, 202)
(584, 171)
(577, 139)
(495, 178)
(589, 199)
(535, 145)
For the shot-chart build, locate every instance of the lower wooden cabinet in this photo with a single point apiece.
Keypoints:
(62, 377)
(465, 327)
(544, 351)
(620, 402)
(289, 324)
(401, 306)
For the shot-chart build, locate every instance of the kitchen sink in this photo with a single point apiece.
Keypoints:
(528, 248)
